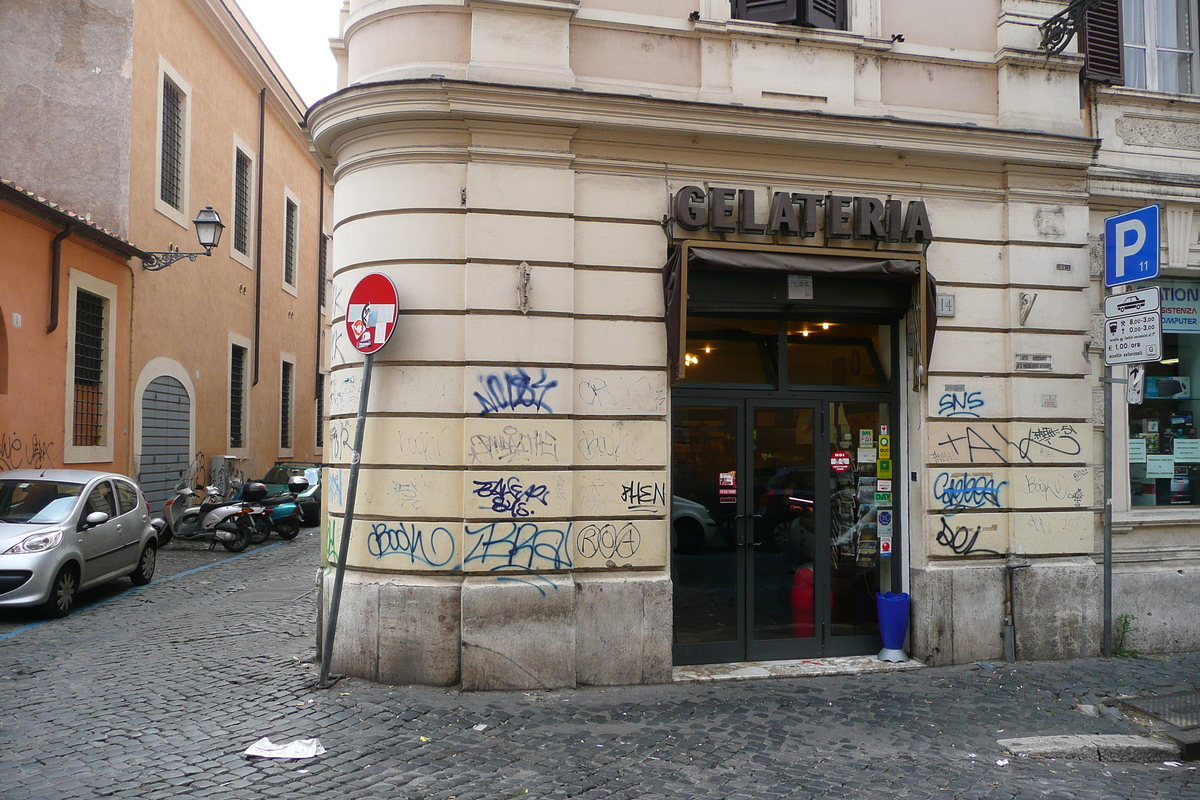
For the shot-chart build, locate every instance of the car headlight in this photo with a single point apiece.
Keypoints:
(36, 543)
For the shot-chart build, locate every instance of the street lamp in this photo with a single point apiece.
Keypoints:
(208, 231)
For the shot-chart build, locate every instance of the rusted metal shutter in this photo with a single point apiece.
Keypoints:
(1101, 40)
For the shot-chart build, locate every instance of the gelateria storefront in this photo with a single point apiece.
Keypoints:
(792, 364)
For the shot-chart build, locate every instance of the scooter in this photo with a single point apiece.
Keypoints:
(281, 513)
(228, 522)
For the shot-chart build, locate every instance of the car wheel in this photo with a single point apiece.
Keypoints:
(62, 592)
(689, 536)
(145, 568)
(288, 529)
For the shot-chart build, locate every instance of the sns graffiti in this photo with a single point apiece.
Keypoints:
(33, 452)
(513, 446)
(642, 496)
(960, 539)
(960, 404)
(432, 546)
(510, 496)
(964, 490)
(497, 546)
(987, 444)
(514, 390)
(609, 541)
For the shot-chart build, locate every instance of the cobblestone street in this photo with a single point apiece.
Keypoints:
(156, 693)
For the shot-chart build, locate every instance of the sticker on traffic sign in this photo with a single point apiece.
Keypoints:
(1142, 301)
(840, 461)
(371, 313)
(1131, 247)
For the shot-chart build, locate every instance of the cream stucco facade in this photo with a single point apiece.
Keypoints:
(511, 165)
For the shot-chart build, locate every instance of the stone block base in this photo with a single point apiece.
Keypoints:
(510, 631)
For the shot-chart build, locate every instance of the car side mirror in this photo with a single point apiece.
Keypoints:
(95, 518)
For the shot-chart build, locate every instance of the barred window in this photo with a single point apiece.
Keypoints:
(88, 415)
(171, 178)
(321, 410)
(809, 13)
(241, 203)
(289, 244)
(322, 266)
(285, 407)
(237, 396)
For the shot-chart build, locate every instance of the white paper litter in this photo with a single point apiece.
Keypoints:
(480, 727)
(1002, 762)
(301, 748)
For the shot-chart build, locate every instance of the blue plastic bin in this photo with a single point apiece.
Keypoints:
(893, 618)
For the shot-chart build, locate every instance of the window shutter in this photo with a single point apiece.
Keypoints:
(1101, 42)
(766, 10)
(823, 14)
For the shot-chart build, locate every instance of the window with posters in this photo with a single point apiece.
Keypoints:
(1164, 449)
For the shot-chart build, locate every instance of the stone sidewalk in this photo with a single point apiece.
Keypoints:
(156, 694)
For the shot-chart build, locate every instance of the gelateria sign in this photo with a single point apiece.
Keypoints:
(723, 210)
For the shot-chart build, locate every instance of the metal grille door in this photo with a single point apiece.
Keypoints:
(166, 413)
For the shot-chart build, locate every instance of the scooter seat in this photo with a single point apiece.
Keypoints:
(278, 500)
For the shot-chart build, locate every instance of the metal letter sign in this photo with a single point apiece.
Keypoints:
(1131, 247)
(371, 313)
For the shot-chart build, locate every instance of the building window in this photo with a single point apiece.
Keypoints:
(237, 396)
(241, 202)
(809, 13)
(170, 189)
(285, 406)
(320, 410)
(1164, 449)
(1160, 45)
(290, 224)
(89, 411)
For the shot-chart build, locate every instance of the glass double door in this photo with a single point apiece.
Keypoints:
(780, 533)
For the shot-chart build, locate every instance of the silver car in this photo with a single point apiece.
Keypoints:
(64, 530)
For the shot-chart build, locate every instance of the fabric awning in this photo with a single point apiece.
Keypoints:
(786, 261)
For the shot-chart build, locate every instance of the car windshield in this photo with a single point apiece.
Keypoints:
(279, 474)
(37, 502)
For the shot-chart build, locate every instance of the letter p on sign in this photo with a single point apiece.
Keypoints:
(1131, 244)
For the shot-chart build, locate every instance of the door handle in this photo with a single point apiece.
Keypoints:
(741, 530)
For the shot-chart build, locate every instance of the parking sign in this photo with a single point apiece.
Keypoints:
(1131, 247)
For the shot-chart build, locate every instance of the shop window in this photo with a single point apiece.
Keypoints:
(1164, 449)
(809, 13)
(732, 351)
(834, 354)
(1159, 45)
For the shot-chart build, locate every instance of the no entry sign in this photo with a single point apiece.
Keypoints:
(839, 460)
(371, 313)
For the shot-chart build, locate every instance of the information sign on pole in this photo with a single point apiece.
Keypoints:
(1131, 244)
(1133, 327)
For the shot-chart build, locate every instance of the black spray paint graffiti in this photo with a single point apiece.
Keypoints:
(18, 453)
(961, 540)
(513, 446)
(433, 547)
(514, 390)
(641, 496)
(510, 497)
(982, 445)
(620, 444)
(609, 541)
(518, 546)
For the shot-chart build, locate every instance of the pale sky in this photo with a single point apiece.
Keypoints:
(297, 32)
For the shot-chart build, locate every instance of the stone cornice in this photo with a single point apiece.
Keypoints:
(370, 105)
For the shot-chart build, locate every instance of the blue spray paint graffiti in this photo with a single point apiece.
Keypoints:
(510, 497)
(434, 547)
(514, 390)
(964, 490)
(960, 404)
(518, 546)
(336, 492)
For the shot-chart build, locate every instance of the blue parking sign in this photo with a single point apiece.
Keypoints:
(1131, 247)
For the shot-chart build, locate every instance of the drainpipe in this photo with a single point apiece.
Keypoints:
(320, 279)
(258, 232)
(1011, 565)
(56, 276)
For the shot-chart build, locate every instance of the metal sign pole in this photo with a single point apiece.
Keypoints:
(347, 521)
(1108, 506)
